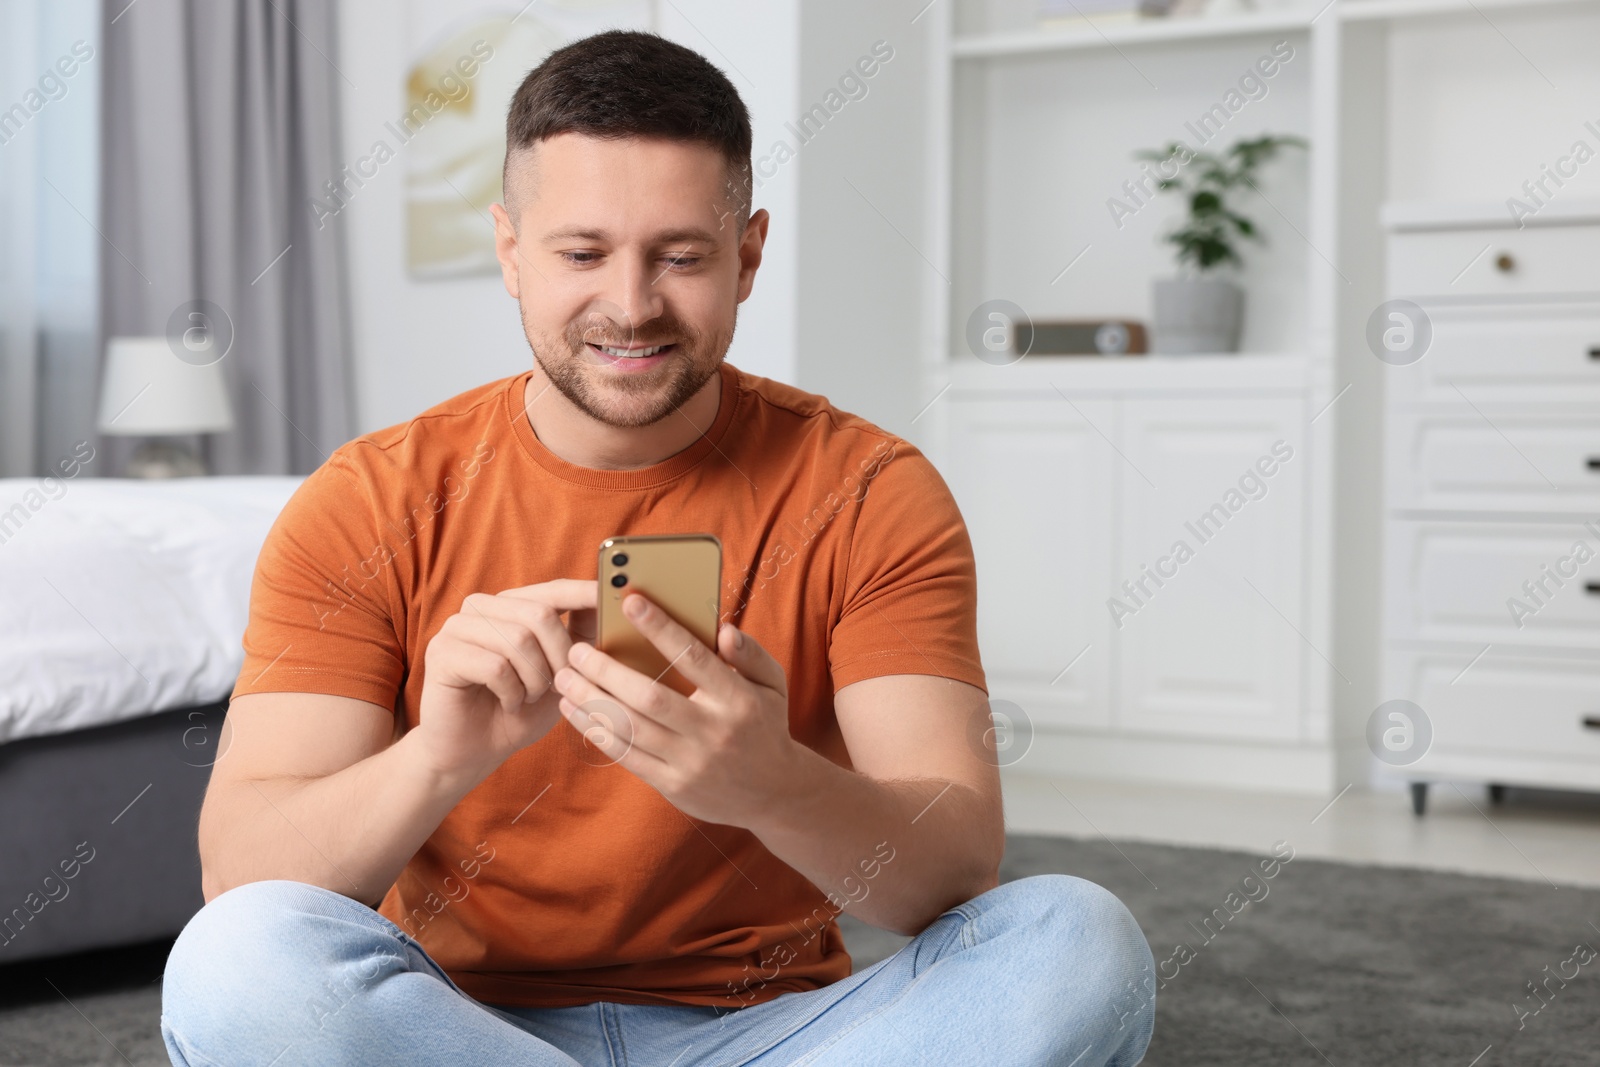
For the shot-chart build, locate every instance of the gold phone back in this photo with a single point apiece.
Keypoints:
(680, 572)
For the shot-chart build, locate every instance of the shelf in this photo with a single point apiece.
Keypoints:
(1164, 30)
(1151, 31)
(1370, 10)
(1408, 216)
(1242, 373)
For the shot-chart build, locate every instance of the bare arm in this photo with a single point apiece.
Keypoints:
(314, 788)
(310, 788)
(917, 827)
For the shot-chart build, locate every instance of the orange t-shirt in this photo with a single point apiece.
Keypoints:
(562, 879)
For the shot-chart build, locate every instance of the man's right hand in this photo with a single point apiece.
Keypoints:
(486, 690)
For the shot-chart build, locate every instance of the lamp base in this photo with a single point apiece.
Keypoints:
(164, 459)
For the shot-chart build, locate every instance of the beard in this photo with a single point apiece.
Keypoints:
(630, 400)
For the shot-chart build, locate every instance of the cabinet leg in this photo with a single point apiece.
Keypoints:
(1419, 797)
(1497, 794)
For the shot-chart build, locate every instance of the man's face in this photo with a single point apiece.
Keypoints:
(629, 270)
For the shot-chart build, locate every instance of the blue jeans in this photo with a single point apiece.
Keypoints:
(1048, 970)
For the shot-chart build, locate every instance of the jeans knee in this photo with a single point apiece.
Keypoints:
(1097, 954)
(268, 955)
(1078, 918)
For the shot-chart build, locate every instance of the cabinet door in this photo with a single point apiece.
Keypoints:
(1033, 478)
(1208, 636)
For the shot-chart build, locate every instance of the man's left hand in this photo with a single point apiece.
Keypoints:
(721, 754)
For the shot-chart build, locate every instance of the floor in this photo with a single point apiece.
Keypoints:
(101, 1010)
(1540, 836)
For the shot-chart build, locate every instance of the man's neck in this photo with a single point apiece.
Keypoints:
(575, 437)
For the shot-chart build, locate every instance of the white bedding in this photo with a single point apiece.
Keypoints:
(123, 597)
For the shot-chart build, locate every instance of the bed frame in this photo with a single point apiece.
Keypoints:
(98, 835)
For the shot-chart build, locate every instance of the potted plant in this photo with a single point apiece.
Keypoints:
(1200, 311)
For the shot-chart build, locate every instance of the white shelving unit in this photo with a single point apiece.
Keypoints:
(1074, 473)
(1153, 31)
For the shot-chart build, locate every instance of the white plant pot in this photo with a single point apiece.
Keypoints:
(1195, 315)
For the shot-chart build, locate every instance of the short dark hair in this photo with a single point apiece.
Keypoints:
(629, 83)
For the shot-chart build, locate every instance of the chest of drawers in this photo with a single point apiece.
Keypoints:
(1491, 582)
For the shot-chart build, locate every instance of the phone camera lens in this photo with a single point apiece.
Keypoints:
(619, 580)
(619, 560)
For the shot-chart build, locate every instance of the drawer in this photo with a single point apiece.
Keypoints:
(1504, 354)
(1545, 259)
(1464, 582)
(1493, 460)
(1504, 706)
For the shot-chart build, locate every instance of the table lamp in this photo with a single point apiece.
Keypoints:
(149, 392)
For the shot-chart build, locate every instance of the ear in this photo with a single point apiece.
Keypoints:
(750, 245)
(505, 249)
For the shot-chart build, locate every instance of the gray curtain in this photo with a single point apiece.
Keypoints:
(219, 125)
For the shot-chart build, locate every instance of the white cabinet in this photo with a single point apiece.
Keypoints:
(1141, 540)
(1210, 652)
(1492, 529)
(1034, 482)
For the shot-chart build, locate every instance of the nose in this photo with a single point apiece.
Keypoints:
(634, 291)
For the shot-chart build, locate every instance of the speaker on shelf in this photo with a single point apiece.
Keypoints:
(1081, 337)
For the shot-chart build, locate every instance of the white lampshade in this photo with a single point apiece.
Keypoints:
(149, 391)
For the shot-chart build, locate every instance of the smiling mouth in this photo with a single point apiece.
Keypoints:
(640, 352)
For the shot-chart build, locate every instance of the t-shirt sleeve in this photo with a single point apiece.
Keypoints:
(324, 602)
(911, 589)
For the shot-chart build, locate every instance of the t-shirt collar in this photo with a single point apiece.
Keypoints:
(641, 477)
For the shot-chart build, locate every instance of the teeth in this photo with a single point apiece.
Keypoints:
(624, 353)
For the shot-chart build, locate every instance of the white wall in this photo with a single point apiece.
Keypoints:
(755, 45)
(1476, 109)
(862, 267)
(417, 343)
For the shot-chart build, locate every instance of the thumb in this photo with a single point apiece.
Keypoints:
(745, 655)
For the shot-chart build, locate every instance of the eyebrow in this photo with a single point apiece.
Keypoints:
(665, 237)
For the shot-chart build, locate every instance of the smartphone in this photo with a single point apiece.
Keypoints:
(681, 574)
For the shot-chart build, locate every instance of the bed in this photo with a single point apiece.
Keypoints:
(124, 604)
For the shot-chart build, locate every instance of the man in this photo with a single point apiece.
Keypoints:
(654, 879)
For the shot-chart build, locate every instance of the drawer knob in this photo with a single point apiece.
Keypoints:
(1592, 588)
(1591, 722)
(1594, 463)
(1594, 353)
(1504, 263)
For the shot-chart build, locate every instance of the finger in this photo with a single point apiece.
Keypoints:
(551, 639)
(607, 727)
(512, 639)
(635, 728)
(563, 594)
(745, 654)
(660, 703)
(475, 665)
(685, 652)
(604, 723)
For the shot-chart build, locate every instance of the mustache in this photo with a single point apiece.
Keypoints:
(609, 333)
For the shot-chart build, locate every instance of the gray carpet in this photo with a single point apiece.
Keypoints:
(1337, 964)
